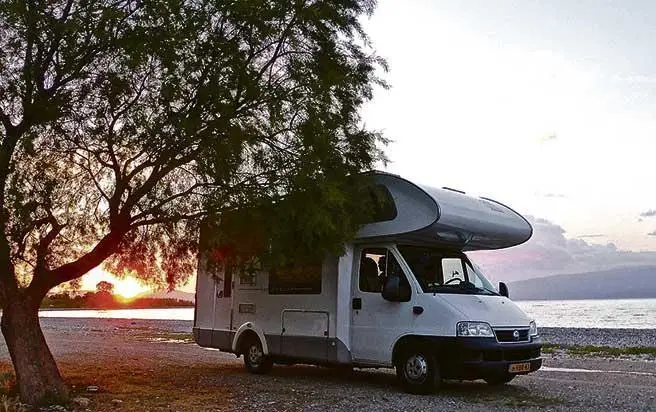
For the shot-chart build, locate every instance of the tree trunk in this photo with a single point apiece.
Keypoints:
(37, 376)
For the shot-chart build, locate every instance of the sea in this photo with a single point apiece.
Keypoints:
(593, 313)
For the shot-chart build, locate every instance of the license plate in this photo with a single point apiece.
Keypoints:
(520, 367)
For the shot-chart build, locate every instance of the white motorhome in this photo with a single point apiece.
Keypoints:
(404, 295)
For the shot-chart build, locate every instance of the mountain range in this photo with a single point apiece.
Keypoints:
(618, 283)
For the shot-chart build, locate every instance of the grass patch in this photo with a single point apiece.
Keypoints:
(550, 348)
(609, 351)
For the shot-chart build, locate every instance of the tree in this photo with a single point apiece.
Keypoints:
(105, 287)
(126, 122)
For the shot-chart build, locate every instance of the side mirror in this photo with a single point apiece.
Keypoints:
(503, 289)
(395, 291)
(392, 289)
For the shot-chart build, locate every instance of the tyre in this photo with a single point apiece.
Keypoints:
(418, 370)
(255, 360)
(499, 380)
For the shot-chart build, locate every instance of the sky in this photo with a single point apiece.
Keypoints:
(547, 106)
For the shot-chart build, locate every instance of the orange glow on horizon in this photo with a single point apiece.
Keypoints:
(129, 288)
(126, 288)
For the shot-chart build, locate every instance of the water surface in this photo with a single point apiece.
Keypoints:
(607, 313)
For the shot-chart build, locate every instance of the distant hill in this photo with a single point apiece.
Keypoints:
(176, 294)
(619, 283)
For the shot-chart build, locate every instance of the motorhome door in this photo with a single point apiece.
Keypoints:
(375, 322)
(223, 301)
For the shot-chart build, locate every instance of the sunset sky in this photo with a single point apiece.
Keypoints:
(546, 106)
(127, 287)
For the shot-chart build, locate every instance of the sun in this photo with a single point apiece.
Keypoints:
(128, 288)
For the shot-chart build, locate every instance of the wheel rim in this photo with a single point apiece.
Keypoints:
(255, 355)
(416, 368)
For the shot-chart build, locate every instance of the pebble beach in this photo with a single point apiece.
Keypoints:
(617, 338)
(153, 365)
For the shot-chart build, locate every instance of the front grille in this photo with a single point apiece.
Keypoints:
(510, 355)
(509, 336)
(523, 354)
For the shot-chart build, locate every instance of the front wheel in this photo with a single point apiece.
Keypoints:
(499, 380)
(255, 360)
(418, 370)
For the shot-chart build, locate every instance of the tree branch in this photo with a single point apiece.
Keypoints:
(42, 249)
(46, 279)
(91, 174)
(154, 209)
(54, 45)
(174, 218)
(6, 121)
(156, 177)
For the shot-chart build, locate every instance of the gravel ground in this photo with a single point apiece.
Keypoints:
(208, 380)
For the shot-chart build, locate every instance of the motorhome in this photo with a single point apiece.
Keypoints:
(403, 295)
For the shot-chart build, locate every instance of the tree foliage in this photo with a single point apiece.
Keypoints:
(124, 122)
(105, 287)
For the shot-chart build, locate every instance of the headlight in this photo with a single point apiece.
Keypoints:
(481, 329)
(533, 328)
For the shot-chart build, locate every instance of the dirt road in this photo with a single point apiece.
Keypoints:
(151, 366)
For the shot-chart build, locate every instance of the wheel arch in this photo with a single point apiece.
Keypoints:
(408, 340)
(249, 329)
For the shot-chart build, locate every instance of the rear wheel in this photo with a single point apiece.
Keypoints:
(254, 358)
(418, 370)
(499, 380)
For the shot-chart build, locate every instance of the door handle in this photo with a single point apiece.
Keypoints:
(357, 303)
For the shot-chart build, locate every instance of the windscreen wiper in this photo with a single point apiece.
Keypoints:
(468, 285)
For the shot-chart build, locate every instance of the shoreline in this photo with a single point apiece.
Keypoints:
(617, 338)
(105, 309)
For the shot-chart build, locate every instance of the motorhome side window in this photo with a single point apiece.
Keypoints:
(296, 280)
(382, 204)
(376, 264)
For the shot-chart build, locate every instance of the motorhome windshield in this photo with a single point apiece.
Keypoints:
(440, 271)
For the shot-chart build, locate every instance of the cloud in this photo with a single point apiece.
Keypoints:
(550, 252)
(649, 213)
(652, 233)
(635, 79)
(548, 138)
(591, 236)
(557, 195)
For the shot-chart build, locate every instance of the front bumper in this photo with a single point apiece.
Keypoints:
(476, 358)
